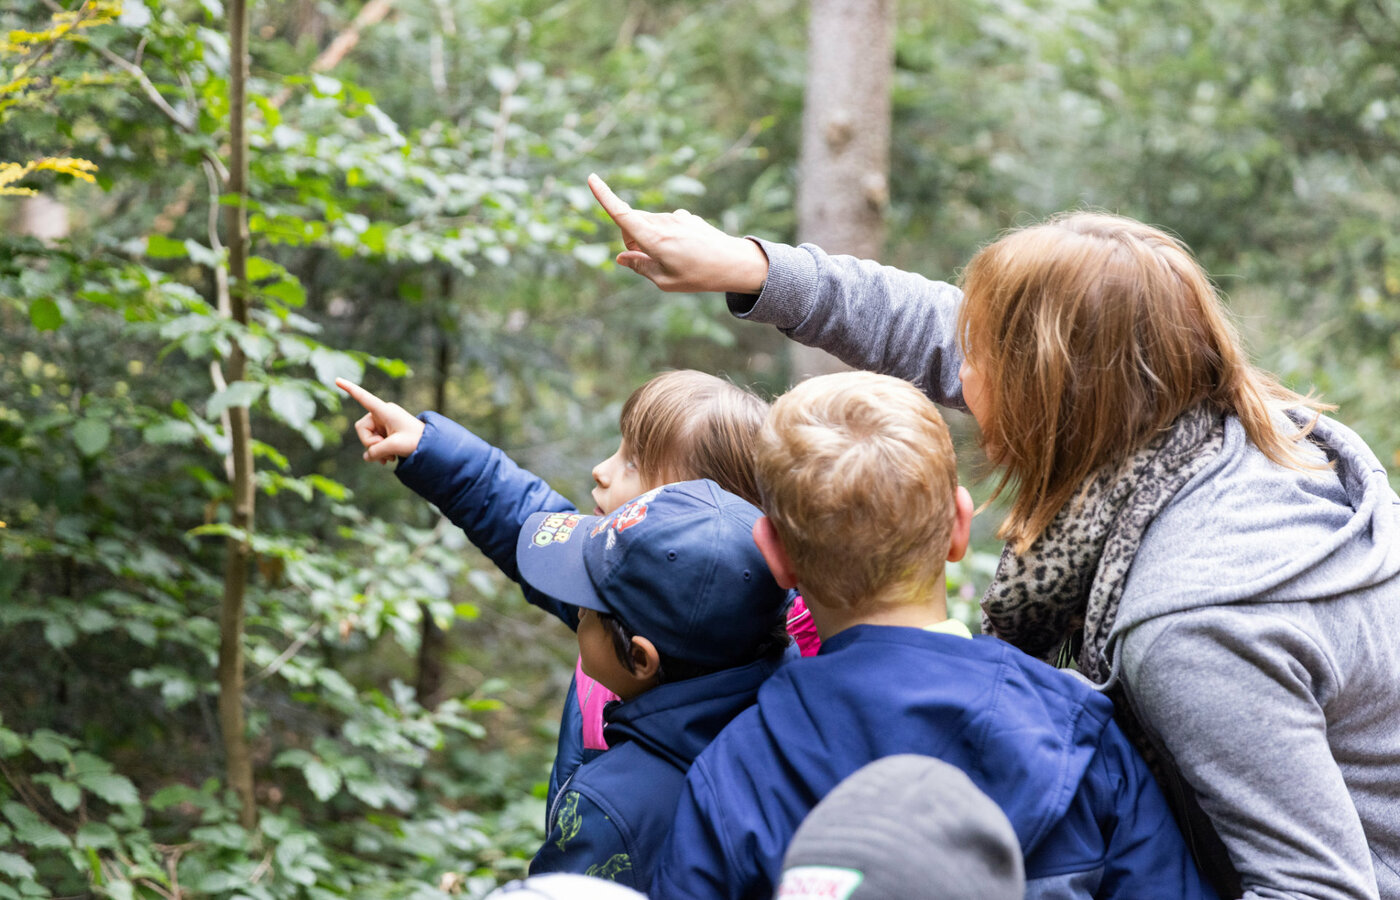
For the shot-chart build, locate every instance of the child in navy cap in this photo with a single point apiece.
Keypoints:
(680, 617)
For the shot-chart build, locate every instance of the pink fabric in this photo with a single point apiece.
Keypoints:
(799, 625)
(592, 697)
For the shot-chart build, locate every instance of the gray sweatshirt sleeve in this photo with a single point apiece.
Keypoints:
(867, 315)
(1238, 698)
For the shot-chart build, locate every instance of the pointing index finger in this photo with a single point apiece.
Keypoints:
(612, 204)
(370, 402)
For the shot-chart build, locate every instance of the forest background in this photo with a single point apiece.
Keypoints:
(336, 696)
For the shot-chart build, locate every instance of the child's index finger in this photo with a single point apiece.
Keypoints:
(363, 397)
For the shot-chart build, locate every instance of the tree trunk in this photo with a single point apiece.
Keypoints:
(43, 217)
(843, 173)
(238, 756)
(432, 640)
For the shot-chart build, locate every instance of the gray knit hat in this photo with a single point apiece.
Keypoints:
(564, 886)
(904, 827)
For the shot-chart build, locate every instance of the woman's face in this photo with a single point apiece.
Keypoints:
(974, 390)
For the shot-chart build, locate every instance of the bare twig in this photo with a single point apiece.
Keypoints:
(371, 13)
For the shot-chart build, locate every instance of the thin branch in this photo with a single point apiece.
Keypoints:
(292, 649)
(158, 100)
(732, 152)
(370, 14)
(498, 137)
(222, 300)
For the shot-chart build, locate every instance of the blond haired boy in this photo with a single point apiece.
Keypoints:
(859, 486)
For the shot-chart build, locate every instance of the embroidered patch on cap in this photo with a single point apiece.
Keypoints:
(556, 529)
(626, 515)
(819, 883)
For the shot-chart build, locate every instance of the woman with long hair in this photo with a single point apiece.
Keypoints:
(1200, 541)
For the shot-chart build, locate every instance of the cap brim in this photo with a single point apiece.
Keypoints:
(549, 554)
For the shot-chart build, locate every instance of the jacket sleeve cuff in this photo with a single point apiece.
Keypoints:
(787, 295)
(441, 450)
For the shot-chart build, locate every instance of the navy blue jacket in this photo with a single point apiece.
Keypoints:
(1040, 742)
(612, 816)
(489, 497)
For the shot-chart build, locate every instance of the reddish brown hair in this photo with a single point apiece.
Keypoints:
(1093, 332)
(859, 480)
(687, 424)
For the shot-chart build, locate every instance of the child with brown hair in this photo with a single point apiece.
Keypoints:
(862, 507)
(679, 425)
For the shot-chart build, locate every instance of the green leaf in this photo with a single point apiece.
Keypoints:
(32, 830)
(217, 882)
(158, 246)
(120, 890)
(331, 364)
(50, 746)
(45, 314)
(15, 866)
(238, 394)
(322, 779)
(65, 794)
(170, 431)
(288, 290)
(593, 255)
(60, 633)
(291, 403)
(205, 256)
(115, 789)
(259, 268)
(92, 436)
(227, 835)
(10, 744)
(97, 836)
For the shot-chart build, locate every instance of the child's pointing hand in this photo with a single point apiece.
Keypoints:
(387, 430)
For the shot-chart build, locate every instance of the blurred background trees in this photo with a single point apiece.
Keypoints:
(418, 220)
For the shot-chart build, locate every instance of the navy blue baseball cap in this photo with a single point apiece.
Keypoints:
(677, 565)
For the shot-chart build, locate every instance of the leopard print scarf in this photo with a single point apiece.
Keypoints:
(1059, 599)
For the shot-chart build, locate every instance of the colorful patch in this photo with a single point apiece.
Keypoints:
(626, 515)
(615, 866)
(556, 528)
(569, 821)
(818, 883)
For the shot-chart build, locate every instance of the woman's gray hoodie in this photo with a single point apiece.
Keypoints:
(1258, 635)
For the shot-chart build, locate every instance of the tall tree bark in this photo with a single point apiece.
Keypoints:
(238, 756)
(843, 173)
(432, 644)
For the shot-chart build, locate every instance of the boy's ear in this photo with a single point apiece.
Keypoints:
(769, 544)
(646, 659)
(962, 524)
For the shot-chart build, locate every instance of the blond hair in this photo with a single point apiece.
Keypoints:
(687, 424)
(859, 479)
(1093, 332)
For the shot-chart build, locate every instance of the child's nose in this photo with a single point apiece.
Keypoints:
(598, 475)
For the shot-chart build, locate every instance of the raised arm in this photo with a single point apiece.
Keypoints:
(475, 485)
(870, 316)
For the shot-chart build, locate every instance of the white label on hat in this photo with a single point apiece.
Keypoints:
(818, 883)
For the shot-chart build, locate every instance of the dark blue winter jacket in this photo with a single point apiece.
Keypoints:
(488, 496)
(612, 816)
(1040, 742)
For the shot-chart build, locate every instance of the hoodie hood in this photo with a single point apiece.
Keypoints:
(676, 721)
(1247, 530)
(1024, 732)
